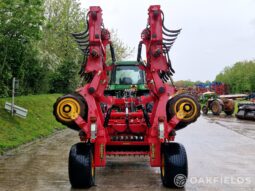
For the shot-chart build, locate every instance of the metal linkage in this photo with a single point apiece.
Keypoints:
(88, 39)
(93, 42)
(82, 39)
(168, 42)
(158, 41)
(145, 115)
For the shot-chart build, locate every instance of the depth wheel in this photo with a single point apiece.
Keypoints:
(188, 103)
(174, 165)
(68, 105)
(81, 166)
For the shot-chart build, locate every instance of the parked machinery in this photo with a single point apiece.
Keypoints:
(139, 119)
(212, 102)
(246, 111)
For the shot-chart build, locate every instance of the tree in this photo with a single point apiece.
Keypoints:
(20, 22)
(121, 50)
(36, 46)
(184, 83)
(240, 77)
(64, 17)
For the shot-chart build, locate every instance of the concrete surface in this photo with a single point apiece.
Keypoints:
(221, 154)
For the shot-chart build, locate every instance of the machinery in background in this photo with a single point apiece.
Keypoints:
(246, 111)
(216, 104)
(251, 97)
(218, 87)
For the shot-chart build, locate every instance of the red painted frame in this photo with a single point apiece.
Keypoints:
(93, 93)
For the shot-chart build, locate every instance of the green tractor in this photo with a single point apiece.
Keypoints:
(211, 101)
(126, 75)
(127, 80)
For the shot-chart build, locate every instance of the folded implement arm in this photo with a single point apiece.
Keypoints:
(171, 111)
(82, 110)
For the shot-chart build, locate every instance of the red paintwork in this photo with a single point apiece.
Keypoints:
(219, 89)
(116, 123)
(127, 153)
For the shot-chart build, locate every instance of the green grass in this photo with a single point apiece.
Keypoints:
(40, 121)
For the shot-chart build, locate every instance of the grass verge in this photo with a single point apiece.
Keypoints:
(39, 123)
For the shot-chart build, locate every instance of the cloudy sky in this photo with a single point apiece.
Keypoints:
(215, 33)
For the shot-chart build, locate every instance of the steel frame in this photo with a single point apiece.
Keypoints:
(93, 93)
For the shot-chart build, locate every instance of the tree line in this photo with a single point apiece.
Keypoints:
(36, 46)
(240, 77)
(188, 83)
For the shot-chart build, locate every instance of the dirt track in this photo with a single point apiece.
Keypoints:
(221, 153)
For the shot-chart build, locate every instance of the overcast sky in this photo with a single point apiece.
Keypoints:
(215, 33)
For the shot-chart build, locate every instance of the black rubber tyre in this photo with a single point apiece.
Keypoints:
(83, 112)
(205, 109)
(229, 106)
(80, 167)
(216, 107)
(174, 165)
(241, 114)
(172, 106)
(229, 112)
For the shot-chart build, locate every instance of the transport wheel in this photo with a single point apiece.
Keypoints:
(186, 102)
(216, 107)
(174, 165)
(205, 109)
(81, 166)
(67, 106)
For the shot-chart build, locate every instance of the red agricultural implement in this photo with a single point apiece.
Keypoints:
(217, 87)
(132, 121)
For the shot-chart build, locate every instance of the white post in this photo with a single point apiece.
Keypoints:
(13, 94)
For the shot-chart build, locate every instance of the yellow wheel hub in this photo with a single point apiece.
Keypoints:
(185, 108)
(68, 109)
